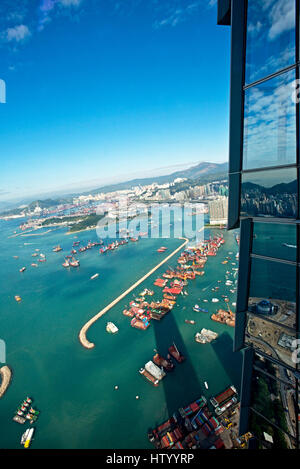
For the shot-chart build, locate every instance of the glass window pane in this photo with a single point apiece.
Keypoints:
(270, 37)
(270, 338)
(275, 240)
(270, 123)
(275, 401)
(270, 193)
(274, 281)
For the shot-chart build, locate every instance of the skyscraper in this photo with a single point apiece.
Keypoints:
(264, 203)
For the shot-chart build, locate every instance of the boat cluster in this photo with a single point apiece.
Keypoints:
(154, 371)
(26, 412)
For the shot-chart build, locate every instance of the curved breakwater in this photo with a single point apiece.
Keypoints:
(5, 374)
(82, 334)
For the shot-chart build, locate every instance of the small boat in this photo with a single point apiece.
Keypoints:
(205, 384)
(22, 269)
(174, 352)
(74, 262)
(24, 436)
(57, 248)
(18, 298)
(215, 300)
(111, 328)
(66, 263)
(168, 365)
(34, 265)
(94, 276)
(29, 437)
(189, 321)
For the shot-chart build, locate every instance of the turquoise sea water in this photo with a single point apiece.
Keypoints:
(74, 387)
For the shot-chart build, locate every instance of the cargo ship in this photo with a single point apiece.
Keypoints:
(161, 361)
(149, 377)
(154, 370)
(219, 410)
(220, 399)
(174, 352)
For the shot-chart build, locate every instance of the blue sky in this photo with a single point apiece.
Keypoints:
(103, 90)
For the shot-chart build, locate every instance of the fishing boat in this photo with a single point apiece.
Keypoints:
(94, 276)
(174, 352)
(66, 263)
(74, 262)
(57, 248)
(168, 365)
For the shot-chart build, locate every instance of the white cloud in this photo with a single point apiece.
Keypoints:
(282, 18)
(68, 3)
(17, 33)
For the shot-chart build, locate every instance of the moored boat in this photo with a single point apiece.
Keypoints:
(111, 328)
(174, 352)
(161, 361)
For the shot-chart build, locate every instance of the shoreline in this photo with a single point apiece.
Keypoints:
(82, 333)
(5, 373)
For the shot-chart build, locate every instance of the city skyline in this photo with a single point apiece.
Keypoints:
(105, 105)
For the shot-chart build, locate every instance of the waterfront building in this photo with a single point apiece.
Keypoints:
(218, 209)
(264, 203)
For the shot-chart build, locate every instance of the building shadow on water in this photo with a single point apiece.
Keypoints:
(181, 386)
(230, 361)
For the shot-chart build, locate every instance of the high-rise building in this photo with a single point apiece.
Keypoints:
(218, 210)
(264, 203)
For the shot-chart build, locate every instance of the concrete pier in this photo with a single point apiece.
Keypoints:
(82, 334)
(5, 374)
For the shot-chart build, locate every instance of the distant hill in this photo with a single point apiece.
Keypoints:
(201, 173)
(282, 188)
(201, 170)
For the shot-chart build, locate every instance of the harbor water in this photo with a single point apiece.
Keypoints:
(74, 388)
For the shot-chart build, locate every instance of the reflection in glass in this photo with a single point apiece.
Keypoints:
(270, 37)
(275, 240)
(273, 280)
(270, 193)
(270, 123)
(275, 401)
(270, 338)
